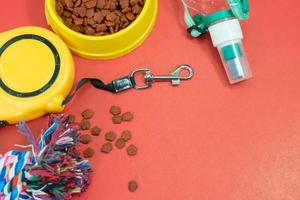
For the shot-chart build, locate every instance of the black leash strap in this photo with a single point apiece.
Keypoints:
(115, 86)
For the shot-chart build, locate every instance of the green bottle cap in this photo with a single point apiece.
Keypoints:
(232, 51)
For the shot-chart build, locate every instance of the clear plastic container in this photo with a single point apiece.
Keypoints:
(227, 38)
(235, 61)
(206, 7)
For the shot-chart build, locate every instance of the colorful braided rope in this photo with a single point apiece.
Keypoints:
(53, 169)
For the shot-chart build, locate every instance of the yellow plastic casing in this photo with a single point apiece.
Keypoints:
(36, 73)
(109, 46)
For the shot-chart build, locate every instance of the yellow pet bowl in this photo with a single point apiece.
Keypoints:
(36, 74)
(109, 46)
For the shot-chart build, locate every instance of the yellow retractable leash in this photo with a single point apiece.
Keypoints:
(36, 74)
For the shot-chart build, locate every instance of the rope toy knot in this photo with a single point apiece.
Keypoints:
(53, 169)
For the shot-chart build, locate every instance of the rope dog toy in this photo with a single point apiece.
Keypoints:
(53, 169)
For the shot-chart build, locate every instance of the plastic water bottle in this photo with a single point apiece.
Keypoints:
(221, 19)
(207, 7)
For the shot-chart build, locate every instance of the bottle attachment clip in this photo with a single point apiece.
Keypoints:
(174, 77)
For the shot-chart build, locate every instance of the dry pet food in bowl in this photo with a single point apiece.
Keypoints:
(103, 17)
(102, 29)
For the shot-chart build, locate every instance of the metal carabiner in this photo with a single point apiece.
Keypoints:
(174, 77)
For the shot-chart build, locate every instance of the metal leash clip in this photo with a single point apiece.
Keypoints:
(174, 77)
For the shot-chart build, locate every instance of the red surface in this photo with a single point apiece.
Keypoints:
(204, 139)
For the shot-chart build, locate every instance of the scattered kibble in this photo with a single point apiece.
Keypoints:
(98, 17)
(85, 124)
(110, 136)
(85, 139)
(132, 150)
(95, 131)
(128, 116)
(87, 114)
(126, 135)
(88, 152)
(107, 148)
(132, 186)
(71, 119)
(120, 143)
(117, 119)
(115, 110)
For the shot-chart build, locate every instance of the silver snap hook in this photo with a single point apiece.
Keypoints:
(174, 77)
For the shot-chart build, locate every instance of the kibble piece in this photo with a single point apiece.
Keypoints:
(109, 23)
(75, 28)
(126, 135)
(78, 21)
(132, 186)
(87, 114)
(71, 119)
(126, 10)
(111, 17)
(105, 12)
(101, 4)
(98, 17)
(130, 16)
(125, 24)
(124, 19)
(85, 139)
(67, 13)
(132, 150)
(118, 13)
(134, 2)
(110, 136)
(127, 116)
(90, 12)
(111, 29)
(136, 9)
(113, 5)
(88, 152)
(80, 11)
(91, 4)
(85, 124)
(115, 110)
(59, 8)
(77, 3)
(69, 3)
(101, 28)
(95, 131)
(91, 22)
(106, 148)
(120, 143)
(117, 119)
(124, 3)
(74, 17)
(90, 31)
(68, 22)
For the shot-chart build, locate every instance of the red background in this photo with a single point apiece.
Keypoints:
(204, 139)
